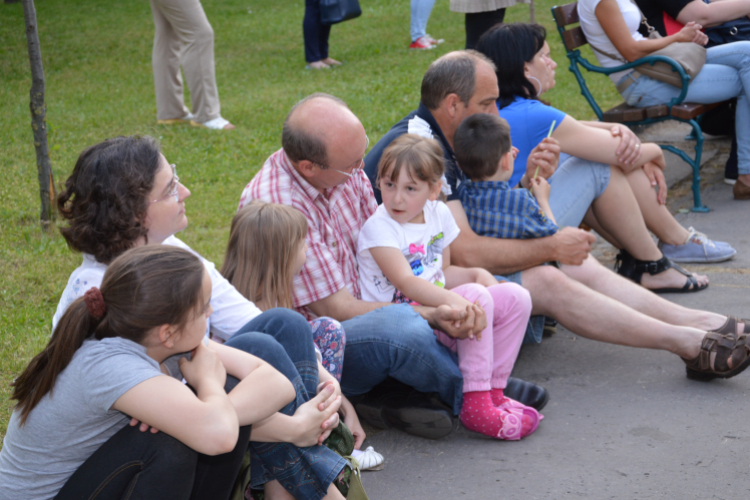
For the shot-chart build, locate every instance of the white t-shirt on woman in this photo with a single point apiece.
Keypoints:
(231, 310)
(597, 38)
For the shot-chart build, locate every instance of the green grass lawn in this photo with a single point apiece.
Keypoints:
(97, 61)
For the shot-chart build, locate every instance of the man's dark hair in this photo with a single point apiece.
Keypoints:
(509, 46)
(454, 73)
(479, 143)
(299, 144)
(106, 197)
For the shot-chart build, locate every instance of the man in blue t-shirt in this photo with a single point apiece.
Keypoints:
(463, 83)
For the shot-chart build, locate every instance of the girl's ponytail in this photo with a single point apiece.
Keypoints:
(40, 375)
(144, 288)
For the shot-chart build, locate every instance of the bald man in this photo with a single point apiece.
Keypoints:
(319, 172)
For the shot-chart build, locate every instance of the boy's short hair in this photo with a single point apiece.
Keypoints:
(479, 143)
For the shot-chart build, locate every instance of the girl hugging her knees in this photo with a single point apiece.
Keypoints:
(266, 251)
(404, 256)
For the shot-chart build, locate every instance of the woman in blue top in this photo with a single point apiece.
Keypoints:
(592, 150)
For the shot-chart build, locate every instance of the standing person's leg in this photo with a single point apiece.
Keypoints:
(478, 23)
(420, 14)
(311, 30)
(190, 23)
(165, 61)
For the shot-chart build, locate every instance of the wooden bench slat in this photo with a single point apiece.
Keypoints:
(690, 110)
(622, 113)
(574, 38)
(566, 14)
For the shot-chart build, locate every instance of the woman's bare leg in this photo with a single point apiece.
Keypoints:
(617, 214)
(657, 217)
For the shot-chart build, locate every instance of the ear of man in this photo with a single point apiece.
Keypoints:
(307, 168)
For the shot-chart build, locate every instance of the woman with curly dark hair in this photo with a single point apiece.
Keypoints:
(123, 193)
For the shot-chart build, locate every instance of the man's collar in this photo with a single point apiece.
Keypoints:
(426, 115)
(308, 188)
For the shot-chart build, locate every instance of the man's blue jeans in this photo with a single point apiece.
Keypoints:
(283, 338)
(395, 341)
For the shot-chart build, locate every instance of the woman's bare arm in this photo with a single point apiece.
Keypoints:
(714, 13)
(610, 18)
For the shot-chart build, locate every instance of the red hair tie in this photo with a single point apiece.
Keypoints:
(95, 302)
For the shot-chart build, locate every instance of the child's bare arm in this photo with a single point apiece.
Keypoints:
(541, 190)
(395, 267)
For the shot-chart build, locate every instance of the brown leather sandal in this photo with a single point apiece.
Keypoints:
(730, 327)
(726, 347)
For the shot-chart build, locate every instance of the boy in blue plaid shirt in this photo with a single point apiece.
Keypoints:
(485, 155)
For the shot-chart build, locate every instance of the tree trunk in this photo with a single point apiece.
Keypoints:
(38, 110)
(532, 16)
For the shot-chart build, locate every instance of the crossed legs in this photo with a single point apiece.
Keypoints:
(598, 304)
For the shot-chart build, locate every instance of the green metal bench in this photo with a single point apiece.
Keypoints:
(676, 109)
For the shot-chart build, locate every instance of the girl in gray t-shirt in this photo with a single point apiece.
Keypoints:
(102, 367)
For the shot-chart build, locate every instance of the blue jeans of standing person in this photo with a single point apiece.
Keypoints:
(283, 338)
(725, 75)
(396, 341)
(420, 14)
(315, 33)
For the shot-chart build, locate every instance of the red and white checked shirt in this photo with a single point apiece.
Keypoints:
(333, 221)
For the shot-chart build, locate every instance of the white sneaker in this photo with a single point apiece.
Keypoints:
(369, 459)
(215, 124)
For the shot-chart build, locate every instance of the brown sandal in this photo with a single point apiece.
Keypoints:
(730, 327)
(726, 347)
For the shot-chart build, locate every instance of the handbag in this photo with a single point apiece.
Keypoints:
(728, 32)
(338, 11)
(689, 55)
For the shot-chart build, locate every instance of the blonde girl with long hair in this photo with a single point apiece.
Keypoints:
(266, 250)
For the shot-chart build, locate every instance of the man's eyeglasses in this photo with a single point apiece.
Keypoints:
(360, 164)
(172, 187)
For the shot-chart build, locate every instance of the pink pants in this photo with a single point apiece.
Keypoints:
(486, 364)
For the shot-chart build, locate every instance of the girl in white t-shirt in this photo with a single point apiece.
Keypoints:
(404, 256)
(266, 250)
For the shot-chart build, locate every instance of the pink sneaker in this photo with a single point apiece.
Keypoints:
(421, 43)
(527, 420)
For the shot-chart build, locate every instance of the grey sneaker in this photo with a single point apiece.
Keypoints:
(698, 249)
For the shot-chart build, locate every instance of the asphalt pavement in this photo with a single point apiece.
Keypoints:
(622, 423)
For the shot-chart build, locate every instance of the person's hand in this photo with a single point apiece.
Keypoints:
(143, 426)
(540, 188)
(317, 418)
(205, 365)
(545, 156)
(691, 32)
(629, 150)
(656, 176)
(459, 323)
(352, 422)
(572, 245)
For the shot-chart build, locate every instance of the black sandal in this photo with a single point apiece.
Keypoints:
(628, 266)
(726, 347)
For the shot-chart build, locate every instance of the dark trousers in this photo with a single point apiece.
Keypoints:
(315, 32)
(478, 23)
(136, 465)
(140, 465)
